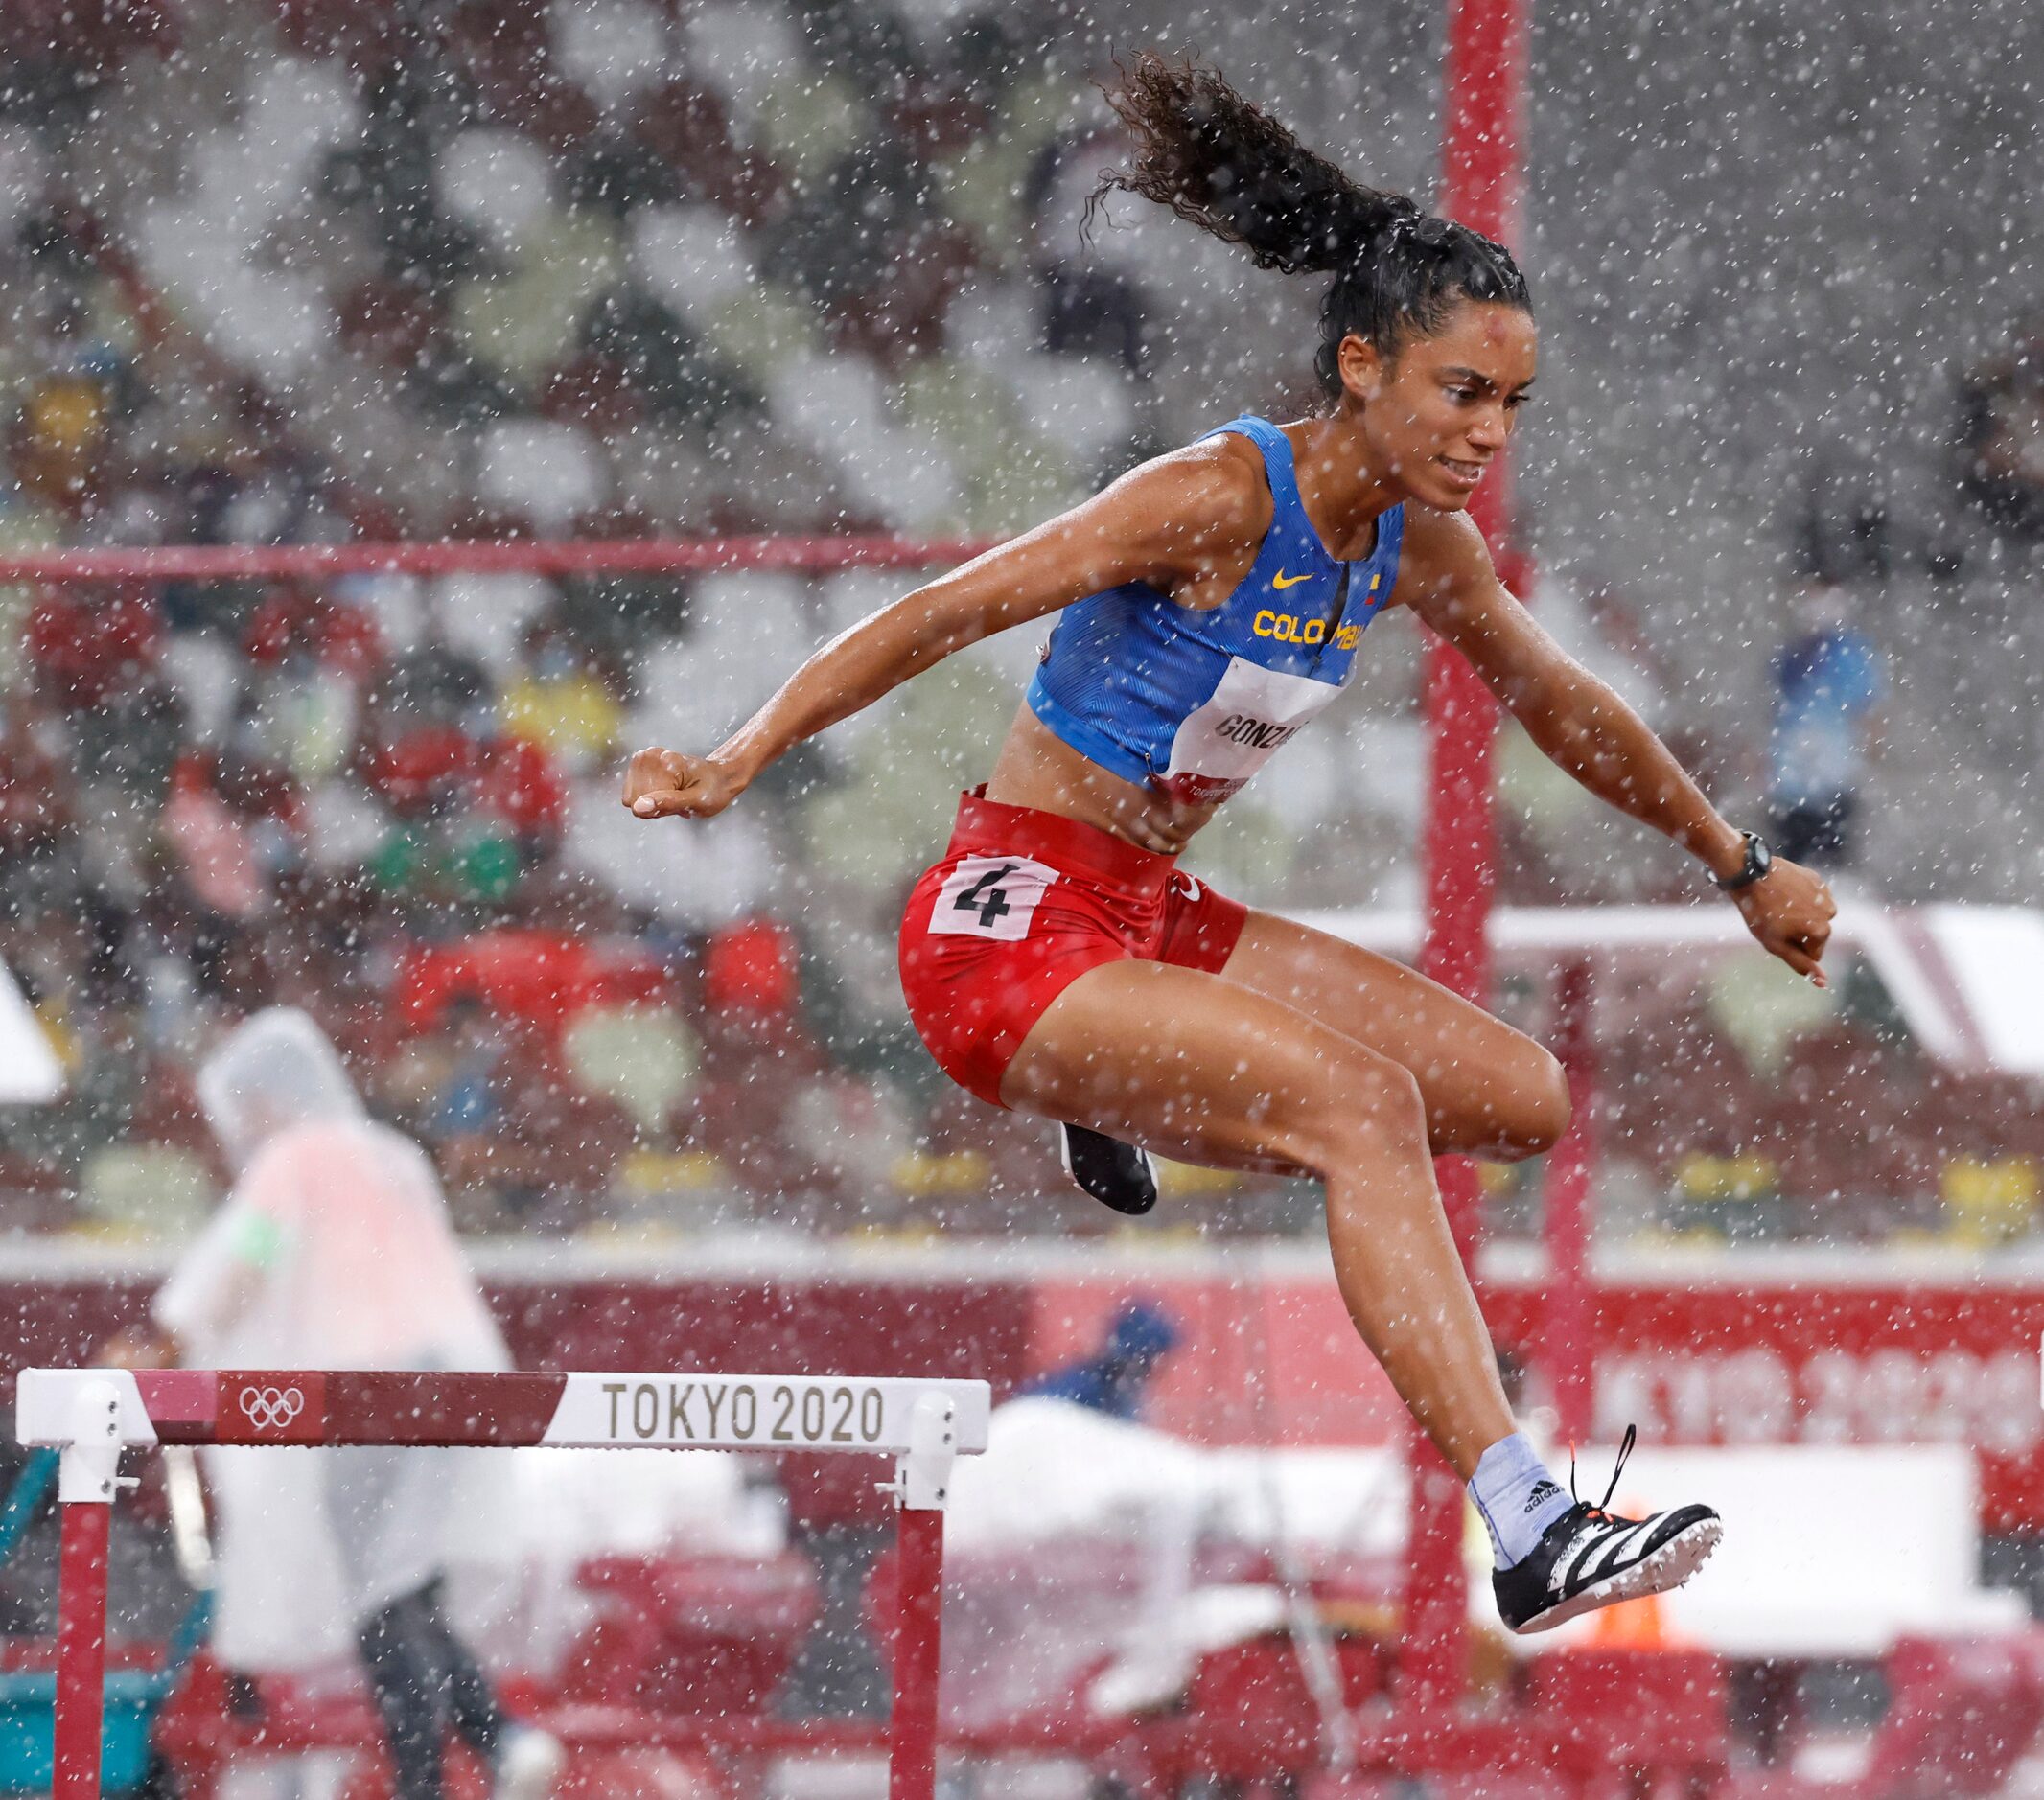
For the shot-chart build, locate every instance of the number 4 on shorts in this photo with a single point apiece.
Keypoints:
(991, 897)
(986, 895)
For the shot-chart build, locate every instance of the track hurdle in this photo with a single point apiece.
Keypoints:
(90, 1415)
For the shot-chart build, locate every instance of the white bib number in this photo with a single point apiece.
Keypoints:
(991, 897)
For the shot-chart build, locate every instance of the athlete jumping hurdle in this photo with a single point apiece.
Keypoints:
(1210, 603)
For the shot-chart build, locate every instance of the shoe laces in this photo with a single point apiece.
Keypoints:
(1617, 1469)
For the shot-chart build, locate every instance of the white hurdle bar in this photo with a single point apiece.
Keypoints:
(90, 1415)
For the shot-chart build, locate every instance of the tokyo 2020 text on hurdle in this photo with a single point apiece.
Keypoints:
(92, 1414)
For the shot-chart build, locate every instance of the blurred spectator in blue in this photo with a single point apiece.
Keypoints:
(467, 1100)
(1829, 682)
(1114, 1380)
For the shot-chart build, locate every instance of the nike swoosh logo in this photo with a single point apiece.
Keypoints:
(1282, 581)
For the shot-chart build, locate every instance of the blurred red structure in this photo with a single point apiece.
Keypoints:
(1483, 79)
(683, 1635)
(542, 976)
(612, 556)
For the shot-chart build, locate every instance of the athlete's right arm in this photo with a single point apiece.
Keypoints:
(1166, 523)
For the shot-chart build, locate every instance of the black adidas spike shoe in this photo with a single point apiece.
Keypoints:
(1590, 1557)
(1116, 1174)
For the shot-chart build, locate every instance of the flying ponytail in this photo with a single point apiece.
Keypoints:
(1231, 169)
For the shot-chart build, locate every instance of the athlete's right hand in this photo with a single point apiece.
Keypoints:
(666, 784)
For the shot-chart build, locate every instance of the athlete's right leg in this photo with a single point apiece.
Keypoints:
(1199, 1067)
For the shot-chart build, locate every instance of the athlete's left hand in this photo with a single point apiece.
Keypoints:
(1790, 911)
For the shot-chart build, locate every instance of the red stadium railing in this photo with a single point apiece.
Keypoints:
(620, 556)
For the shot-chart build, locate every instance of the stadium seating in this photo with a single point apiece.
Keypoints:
(637, 269)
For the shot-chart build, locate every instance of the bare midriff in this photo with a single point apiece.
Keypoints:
(1039, 770)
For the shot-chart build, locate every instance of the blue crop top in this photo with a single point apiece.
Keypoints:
(1194, 702)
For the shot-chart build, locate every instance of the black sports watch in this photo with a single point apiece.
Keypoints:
(1759, 858)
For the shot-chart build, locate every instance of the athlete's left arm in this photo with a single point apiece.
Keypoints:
(1583, 727)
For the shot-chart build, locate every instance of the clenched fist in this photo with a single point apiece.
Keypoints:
(666, 784)
(1790, 911)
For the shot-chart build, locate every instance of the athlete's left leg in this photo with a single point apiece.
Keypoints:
(1489, 1091)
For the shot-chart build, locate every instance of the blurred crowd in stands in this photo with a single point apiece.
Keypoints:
(2002, 435)
(475, 270)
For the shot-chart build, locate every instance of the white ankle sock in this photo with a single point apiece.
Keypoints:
(1517, 1497)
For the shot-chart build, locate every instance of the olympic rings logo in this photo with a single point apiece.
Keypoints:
(271, 1409)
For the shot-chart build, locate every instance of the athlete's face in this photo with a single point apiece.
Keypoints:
(1438, 413)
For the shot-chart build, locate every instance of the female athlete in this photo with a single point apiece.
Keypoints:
(1213, 601)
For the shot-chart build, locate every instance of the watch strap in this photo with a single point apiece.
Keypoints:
(1759, 858)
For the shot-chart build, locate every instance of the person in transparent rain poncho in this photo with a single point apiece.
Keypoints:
(1211, 602)
(333, 1251)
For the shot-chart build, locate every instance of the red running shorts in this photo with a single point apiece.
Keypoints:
(1023, 903)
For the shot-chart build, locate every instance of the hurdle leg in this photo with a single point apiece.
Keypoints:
(81, 1649)
(922, 1485)
(87, 1475)
(911, 1723)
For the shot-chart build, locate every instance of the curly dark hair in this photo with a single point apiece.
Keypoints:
(1231, 169)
